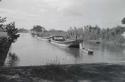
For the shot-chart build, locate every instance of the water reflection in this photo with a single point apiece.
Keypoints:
(12, 60)
(75, 52)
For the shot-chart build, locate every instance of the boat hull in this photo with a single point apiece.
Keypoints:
(70, 44)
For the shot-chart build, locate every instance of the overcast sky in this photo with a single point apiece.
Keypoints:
(61, 14)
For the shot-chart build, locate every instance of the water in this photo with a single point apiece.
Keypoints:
(34, 51)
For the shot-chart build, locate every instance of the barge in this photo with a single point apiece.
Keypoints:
(60, 40)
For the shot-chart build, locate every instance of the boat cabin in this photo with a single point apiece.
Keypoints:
(58, 38)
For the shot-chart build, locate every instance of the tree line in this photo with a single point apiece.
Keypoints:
(96, 33)
(87, 32)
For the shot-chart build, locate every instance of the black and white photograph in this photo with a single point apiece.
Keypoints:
(62, 40)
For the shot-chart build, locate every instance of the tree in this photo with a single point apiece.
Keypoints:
(12, 31)
(2, 20)
(38, 28)
(123, 20)
(9, 28)
(74, 33)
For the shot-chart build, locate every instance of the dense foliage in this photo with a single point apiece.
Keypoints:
(123, 20)
(95, 33)
(38, 28)
(113, 35)
(5, 41)
(2, 20)
(10, 29)
(75, 33)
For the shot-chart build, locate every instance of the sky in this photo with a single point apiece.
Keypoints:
(62, 14)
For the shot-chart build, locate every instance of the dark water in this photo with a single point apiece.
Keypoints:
(28, 50)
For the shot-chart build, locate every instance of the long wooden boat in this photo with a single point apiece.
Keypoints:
(59, 40)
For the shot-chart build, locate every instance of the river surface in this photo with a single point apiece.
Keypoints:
(34, 51)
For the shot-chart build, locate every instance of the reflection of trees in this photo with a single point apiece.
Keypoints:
(12, 59)
(73, 51)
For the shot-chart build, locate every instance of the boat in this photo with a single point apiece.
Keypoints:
(88, 51)
(98, 42)
(60, 40)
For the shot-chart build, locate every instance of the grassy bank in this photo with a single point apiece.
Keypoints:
(64, 73)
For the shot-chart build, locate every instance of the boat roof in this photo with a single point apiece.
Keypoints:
(56, 36)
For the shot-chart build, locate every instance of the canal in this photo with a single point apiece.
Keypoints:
(34, 51)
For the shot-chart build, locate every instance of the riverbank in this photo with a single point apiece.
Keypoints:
(64, 73)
